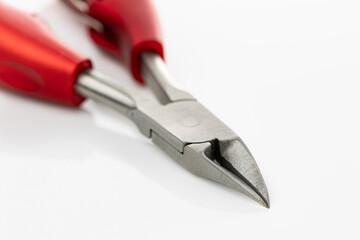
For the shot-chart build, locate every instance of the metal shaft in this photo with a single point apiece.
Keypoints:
(157, 76)
(109, 92)
(101, 88)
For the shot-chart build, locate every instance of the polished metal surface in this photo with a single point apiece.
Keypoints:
(103, 89)
(182, 127)
(159, 79)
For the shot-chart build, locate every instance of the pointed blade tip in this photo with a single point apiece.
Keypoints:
(259, 198)
(266, 203)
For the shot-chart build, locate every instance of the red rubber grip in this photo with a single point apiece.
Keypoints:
(131, 27)
(33, 62)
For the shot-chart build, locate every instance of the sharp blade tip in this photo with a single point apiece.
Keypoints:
(265, 202)
(261, 197)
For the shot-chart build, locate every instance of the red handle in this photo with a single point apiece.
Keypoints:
(131, 27)
(33, 62)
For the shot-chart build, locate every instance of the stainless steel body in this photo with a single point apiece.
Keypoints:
(182, 127)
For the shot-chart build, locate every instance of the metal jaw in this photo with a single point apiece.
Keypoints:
(182, 127)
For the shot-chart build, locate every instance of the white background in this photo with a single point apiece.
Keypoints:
(284, 74)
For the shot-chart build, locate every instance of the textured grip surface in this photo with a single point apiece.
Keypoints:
(131, 27)
(33, 62)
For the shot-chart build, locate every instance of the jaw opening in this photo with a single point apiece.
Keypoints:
(237, 169)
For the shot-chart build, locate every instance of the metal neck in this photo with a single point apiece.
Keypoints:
(157, 76)
(105, 90)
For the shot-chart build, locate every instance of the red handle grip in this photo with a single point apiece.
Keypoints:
(131, 27)
(33, 62)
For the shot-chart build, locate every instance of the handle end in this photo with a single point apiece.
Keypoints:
(33, 62)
